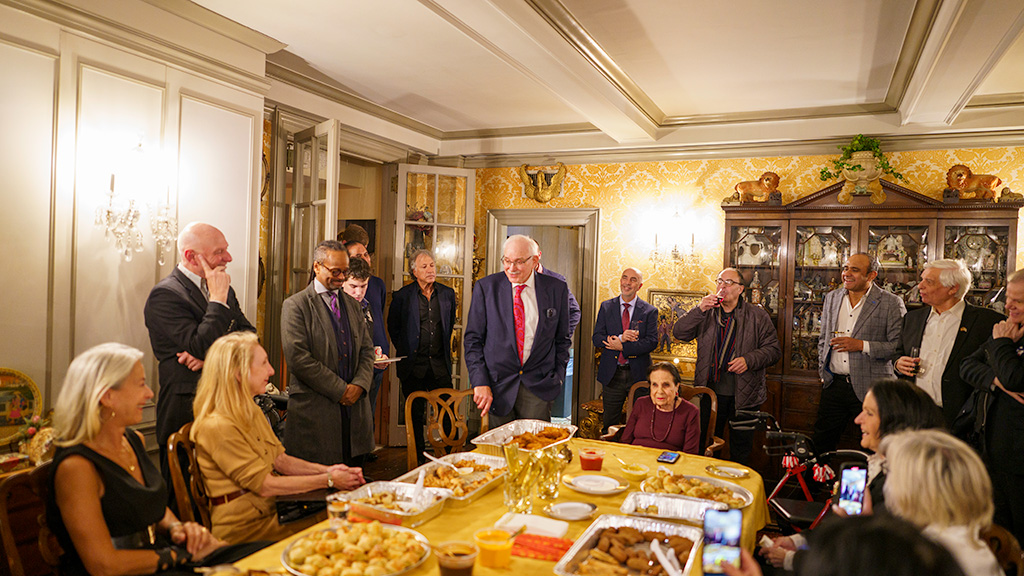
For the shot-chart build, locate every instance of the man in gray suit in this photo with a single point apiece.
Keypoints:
(329, 350)
(860, 329)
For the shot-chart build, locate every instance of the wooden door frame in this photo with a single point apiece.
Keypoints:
(498, 221)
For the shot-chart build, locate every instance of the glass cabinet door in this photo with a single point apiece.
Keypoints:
(819, 255)
(985, 251)
(902, 252)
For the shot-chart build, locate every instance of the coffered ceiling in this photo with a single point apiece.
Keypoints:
(513, 77)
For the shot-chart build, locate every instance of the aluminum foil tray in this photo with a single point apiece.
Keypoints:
(670, 507)
(569, 562)
(461, 501)
(490, 442)
(737, 490)
(401, 490)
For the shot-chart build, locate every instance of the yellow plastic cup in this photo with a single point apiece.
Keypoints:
(495, 546)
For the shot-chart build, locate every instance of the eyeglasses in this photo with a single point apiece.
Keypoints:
(335, 272)
(517, 262)
(726, 281)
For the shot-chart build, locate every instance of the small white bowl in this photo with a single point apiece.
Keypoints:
(571, 510)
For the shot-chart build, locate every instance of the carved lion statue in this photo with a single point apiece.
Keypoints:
(758, 190)
(978, 186)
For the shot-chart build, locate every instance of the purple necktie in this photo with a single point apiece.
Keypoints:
(334, 305)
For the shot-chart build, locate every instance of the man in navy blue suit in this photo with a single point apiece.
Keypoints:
(574, 307)
(626, 331)
(517, 337)
(356, 240)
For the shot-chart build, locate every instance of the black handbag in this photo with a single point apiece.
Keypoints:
(969, 424)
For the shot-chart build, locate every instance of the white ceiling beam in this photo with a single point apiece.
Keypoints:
(514, 32)
(965, 42)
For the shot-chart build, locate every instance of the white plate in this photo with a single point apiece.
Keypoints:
(598, 484)
(570, 510)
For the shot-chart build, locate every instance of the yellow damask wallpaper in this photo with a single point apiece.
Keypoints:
(677, 202)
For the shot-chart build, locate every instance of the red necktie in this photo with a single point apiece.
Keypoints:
(519, 312)
(625, 326)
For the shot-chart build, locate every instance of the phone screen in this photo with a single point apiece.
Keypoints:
(722, 530)
(852, 483)
(668, 457)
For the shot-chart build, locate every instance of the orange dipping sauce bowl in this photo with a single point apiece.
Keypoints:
(591, 459)
(495, 545)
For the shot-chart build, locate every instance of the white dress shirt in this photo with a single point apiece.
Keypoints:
(848, 315)
(936, 344)
(532, 315)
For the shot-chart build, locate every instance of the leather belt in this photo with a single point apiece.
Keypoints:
(841, 378)
(218, 500)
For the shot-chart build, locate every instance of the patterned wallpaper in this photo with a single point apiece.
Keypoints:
(639, 200)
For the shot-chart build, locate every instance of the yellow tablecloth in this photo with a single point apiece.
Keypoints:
(461, 523)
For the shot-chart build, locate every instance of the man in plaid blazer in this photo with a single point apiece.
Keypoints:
(860, 329)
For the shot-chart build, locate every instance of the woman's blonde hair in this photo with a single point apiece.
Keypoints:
(224, 386)
(935, 478)
(76, 416)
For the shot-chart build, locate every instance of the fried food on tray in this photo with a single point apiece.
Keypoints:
(626, 550)
(389, 501)
(365, 549)
(445, 477)
(546, 437)
(678, 484)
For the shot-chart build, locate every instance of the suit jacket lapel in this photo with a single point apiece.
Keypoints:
(507, 314)
(323, 325)
(871, 300)
(543, 303)
(966, 323)
(191, 289)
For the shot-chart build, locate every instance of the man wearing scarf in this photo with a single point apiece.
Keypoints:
(736, 343)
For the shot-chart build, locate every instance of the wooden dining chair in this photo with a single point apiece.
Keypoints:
(444, 404)
(29, 546)
(709, 441)
(189, 491)
(1006, 549)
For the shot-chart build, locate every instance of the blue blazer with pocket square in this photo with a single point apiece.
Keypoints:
(490, 341)
(638, 354)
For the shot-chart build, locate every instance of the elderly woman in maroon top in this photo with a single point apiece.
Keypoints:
(663, 419)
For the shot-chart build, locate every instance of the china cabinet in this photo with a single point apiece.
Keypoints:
(792, 255)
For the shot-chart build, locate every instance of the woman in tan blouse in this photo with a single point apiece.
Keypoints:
(242, 462)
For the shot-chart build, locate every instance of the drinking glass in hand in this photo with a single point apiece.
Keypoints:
(915, 355)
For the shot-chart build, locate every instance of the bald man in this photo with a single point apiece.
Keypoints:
(185, 313)
(626, 332)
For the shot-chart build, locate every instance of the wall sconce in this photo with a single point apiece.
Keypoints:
(165, 231)
(675, 259)
(121, 226)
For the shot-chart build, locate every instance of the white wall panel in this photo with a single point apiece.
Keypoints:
(119, 133)
(215, 184)
(26, 152)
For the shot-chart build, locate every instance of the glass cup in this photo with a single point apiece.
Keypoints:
(456, 558)
(552, 462)
(495, 545)
(915, 353)
(337, 509)
(591, 458)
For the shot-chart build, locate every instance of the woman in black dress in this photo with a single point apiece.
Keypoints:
(108, 502)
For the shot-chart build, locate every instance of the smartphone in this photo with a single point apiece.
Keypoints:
(722, 530)
(668, 457)
(853, 480)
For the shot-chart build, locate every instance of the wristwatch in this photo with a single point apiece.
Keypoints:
(330, 481)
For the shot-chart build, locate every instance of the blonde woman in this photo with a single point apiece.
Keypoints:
(108, 502)
(242, 462)
(939, 483)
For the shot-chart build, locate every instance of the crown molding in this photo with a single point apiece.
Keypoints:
(802, 147)
(224, 26)
(141, 42)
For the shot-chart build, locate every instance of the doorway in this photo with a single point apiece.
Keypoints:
(568, 242)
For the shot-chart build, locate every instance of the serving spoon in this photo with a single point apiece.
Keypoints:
(462, 470)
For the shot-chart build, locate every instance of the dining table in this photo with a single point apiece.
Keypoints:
(459, 524)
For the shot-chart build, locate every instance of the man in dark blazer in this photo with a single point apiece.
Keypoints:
(998, 367)
(574, 307)
(356, 240)
(329, 352)
(945, 331)
(420, 321)
(626, 332)
(517, 337)
(185, 312)
(860, 327)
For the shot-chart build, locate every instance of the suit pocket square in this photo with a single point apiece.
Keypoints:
(550, 312)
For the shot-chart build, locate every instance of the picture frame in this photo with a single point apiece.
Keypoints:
(671, 305)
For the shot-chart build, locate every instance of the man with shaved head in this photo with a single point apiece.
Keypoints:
(626, 332)
(517, 337)
(185, 313)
